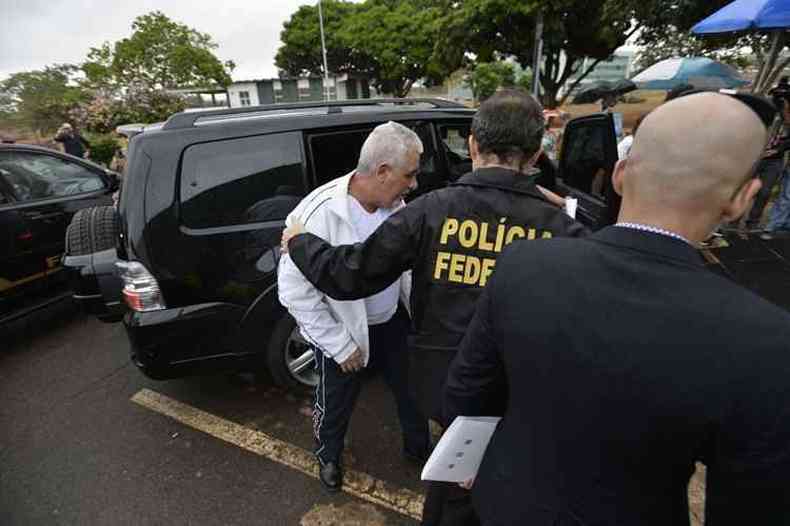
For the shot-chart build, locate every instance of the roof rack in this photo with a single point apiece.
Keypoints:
(189, 119)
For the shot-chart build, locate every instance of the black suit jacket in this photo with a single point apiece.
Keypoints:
(617, 362)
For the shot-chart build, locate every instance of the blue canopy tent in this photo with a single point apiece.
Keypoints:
(753, 15)
(697, 71)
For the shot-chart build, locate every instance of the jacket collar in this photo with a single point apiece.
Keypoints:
(503, 179)
(340, 196)
(650, 243)
(339, 202)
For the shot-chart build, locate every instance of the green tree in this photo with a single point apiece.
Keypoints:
(485, 30)
(390, 41)
(398, 41)
(300, 52)
(42, 100)
(160, 53)
(488, 77)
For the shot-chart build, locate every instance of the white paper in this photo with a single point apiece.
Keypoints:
(458, 454)
(571, 203)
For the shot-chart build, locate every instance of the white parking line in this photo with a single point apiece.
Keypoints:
(356, 483)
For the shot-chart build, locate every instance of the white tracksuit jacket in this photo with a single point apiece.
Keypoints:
(335, 327)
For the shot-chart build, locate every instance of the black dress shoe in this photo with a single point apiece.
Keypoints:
(331, 476)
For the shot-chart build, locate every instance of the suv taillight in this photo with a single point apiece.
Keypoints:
(140, 289)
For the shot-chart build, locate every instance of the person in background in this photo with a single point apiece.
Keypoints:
(770, 169)
(618, 361)
(550, 142)
(624, 146)
(73, 143)
(348, 337)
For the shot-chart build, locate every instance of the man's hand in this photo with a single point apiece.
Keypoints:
(467, 484)
(353, 363)
(769, 153)
(551, 197)
(291, 231)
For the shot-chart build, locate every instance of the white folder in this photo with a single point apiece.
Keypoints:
(458, 454)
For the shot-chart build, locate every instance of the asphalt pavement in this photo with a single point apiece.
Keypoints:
(76, 449)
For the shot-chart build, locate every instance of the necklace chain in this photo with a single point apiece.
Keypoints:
(654, 230)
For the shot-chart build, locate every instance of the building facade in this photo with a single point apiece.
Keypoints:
(305, 89)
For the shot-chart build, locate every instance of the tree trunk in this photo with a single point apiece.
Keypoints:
(768, 65)
(773, 75)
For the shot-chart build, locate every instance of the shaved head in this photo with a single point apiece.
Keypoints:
(690, 158)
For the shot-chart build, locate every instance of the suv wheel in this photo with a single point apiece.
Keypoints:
(290, 358)
(92, 230)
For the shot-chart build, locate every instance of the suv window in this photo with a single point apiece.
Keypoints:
(336, 153)
(239, 181)
(32, 176)
(584, 160)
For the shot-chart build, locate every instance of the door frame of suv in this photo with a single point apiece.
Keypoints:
(595, 211)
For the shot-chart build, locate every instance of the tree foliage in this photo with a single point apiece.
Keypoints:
(102, 114)
(42, 100)
(487, 77)
(392, 42)
(484, 30)
(665, 32)
(300, 52)
(160, 53)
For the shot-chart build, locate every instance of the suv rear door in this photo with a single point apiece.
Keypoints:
(234, 196)
(587, 160)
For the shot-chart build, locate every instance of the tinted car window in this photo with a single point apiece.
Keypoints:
(34, 176)
(584, 160)
(240, 181)
(336, 153)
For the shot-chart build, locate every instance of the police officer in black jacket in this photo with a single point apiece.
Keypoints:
(618, 361)
(451, 239)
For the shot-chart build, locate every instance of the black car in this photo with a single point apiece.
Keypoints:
(40, 191)
(203, 205)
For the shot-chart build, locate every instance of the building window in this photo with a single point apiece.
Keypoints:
(244, 98)
(303, 86)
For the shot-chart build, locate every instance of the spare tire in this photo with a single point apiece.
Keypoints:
(92, 230)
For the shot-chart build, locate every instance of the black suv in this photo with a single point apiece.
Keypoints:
(40, 191)
(203, 205)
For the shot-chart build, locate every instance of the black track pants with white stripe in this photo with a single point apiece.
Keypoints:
(337, 392)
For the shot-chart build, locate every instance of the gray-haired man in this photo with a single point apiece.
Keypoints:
(348, 336)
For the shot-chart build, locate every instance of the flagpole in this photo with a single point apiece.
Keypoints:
(538, 55)
(323, 50)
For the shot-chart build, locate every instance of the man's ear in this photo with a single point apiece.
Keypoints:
(618, 176)
(474, 150)
(742, 200)
(382, 172)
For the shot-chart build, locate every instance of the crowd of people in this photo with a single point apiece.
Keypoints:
(616, 359)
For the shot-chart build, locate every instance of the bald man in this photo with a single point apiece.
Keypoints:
(621, 361)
